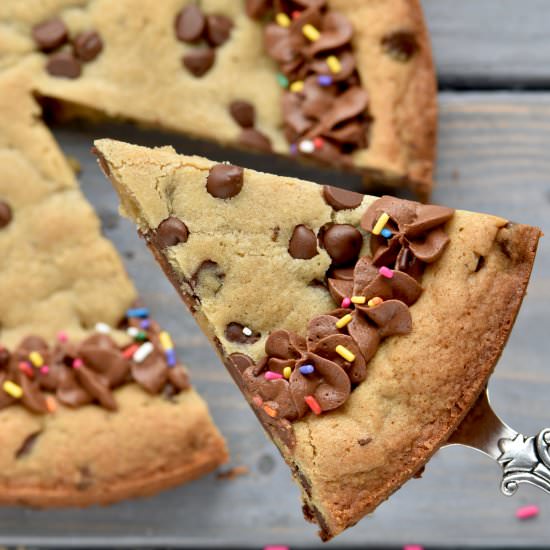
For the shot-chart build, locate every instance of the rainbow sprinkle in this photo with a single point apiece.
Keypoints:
(143, 352)
(376, 301)
(297, 86)
(282, 19)
(386, 272)
(26, 368)
(310, 32)
(282, 80)
(11, 388)
(137, 312)
(62, 336)
(129, 351)
(380, 224)
(313, 404)
(527, 512)
(386, 233)
(287, 371)
(103, 328)
(270, 375)
(51, 403)
(358, 300)
(343, 321)
(270, 411)
(171, 357)
(346, 302)
(334, 64)
(166, 340)
(306, 146)
(77, 363)
(36, 359)
(307, 369)
(324, 80)
(344, 352)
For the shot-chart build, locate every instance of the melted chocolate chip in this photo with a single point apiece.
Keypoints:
(243, 113)
(254, 139)
(341, 199)
(401, 45)
(5, 214)
(50, 34)
(218, 29)
(88, 45)
(224, 181)
(303, 243)
(27, 445)
(343, 243)
(256, 9)
(170, 232)
(235, 332)
(190, 23)
(64, 64)
(199, 61)
(364, 441)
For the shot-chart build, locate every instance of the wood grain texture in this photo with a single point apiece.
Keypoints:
(490, 43)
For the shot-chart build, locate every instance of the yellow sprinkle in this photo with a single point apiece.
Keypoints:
(310, 32)
(297, 86)
(358, 299)
(334, 64)
(12, 389)
(341, 323)
(36, 359)
(380, 224)
(345, 353)
(282, 19)
(166, 340)
(376, 301)
(287, 371)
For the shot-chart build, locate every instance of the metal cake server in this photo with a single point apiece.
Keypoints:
(523, 459)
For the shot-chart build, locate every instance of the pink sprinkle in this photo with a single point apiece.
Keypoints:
(276, 548)
(318, 142)
(45, 369)
(62, 336)
(270, 375)
(526, 512)
(413, 547)
(346, 302)
(77, 363)
(386, 272)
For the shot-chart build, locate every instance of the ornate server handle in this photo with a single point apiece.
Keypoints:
(525, 460)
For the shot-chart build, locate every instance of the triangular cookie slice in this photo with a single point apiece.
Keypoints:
(361, 330)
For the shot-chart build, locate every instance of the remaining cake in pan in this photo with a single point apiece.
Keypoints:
(94, 405)
(360, 330)
(348, 83)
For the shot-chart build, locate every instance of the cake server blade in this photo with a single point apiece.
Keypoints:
(523, 459)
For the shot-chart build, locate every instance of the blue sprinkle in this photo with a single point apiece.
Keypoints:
(145, 323)
(138, 312)
(324, 80)
(386, 233)
(171, 357)
(307, 369)
(293, 148)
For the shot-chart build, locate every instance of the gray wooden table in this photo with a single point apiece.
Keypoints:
(494, 156)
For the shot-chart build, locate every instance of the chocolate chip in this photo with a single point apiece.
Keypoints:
(303, 243)
(64, 64)
(190, 23)
(240, 361)
(235, 332)
(342, 242)
(218, 29)
(5, 214)
(254, 139)
(400, 45)
(256, 9)
(364, 441)
(341, 199)
(170, 232)
(50, 34)
(243, 113)
(87, 45)
(26, 447)
(199, 61)
(224, 181)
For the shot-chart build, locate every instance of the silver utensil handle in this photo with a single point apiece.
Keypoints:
(525, 460)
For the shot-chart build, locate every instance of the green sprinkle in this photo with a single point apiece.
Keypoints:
(282, 80)
(141, 336)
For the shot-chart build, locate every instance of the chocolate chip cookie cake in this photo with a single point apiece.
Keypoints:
(95, 406)
(348, 83)
(359, 329)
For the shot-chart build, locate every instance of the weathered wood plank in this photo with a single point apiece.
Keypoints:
(498, 43)
(493, 157)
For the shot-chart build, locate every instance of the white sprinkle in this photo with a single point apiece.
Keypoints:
(143, 352)
(132, 331)
(306, 146)
(247, 331)
(104, 328)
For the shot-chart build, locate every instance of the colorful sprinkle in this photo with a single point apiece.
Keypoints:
(36, 359)
(143, 352)
(130, 350)
(376, 301)
(293, 148)
(51, 403)
(343, 321)
(306, 146)
(313, 404)
(282, 19)
(45, 369)
(297, 86)
(270, 375)
(386, 272)
(527, 512)
(62, 336)
(141, 336)
(145, 324)
(358, 300)
(166, 340)
(380, 224)
(413, 547)
(257, 400)
(282, 80)
(77, 363)
(296, 14)
(26, 368)
(270, 411)
(276, 548)
(324, 80)
(171, 357)
(334, 64)
(344, 352)
(103, 328)
(11, 388)
(346, 302)
(318, 142)
(287, 371)
(307, 369)
(132, 331)
(386, 233)
(247, 331)
(310, 32)
(138, 312)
